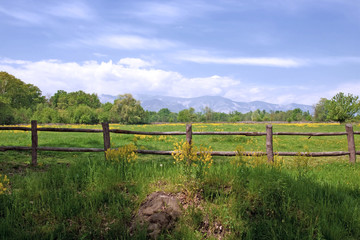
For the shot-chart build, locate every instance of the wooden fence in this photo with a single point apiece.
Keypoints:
(106, 136)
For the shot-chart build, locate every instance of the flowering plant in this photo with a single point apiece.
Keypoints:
(4, 182)
(123, 156)
(192, 159)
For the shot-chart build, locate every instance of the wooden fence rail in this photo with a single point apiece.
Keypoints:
(188, 133)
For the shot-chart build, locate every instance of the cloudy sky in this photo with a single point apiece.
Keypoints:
(279, 51)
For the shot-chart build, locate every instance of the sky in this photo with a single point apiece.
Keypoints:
(277, 51)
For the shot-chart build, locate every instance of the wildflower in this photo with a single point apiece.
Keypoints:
(191, 160)
(4, 182)
(123, 155)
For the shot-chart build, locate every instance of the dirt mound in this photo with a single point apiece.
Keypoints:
(158, 212)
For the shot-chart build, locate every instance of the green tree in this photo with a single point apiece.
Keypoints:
(6, 116)
(256, 116)
(187, 115)
(296, 114)
(46, 114)
(164, 115)
(85, 115)
(127, 110)
(104, 112)
(208, 113)
(63, 100)
(19, 94)
(321, 110)
(343, 107)
(59, 100)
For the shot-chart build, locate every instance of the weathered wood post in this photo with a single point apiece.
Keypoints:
(189, 140)
(351, 143)
(269, 143)
(189, 133)
(34, 142)
(106, 135)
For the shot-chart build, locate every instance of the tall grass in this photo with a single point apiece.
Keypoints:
(82, 196)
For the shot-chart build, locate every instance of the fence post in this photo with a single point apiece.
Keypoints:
(106, 135)
(269, 143)
(34, 142)
(351, 143)
(188, 133)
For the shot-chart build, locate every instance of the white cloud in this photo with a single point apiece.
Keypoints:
(24, 13)
(332, 61)
(136, 76)
(158, 12)
(171, 12)
(195, 87)
(129, 42)
(259, 61)
(100, 55)
(134, 62)
(23, 16)
(347, 87)
(76, 10)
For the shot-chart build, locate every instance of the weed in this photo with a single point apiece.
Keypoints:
(123, 156)
(4, 184)
(194, 164)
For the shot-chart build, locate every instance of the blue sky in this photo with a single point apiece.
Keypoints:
(278, 51)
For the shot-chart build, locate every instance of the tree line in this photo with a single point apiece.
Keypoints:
(21, 102)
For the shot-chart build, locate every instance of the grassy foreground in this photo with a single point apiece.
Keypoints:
(82, 196)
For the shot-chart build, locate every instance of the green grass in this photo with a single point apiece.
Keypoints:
(81, 196)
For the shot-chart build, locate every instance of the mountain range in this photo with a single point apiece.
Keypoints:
(216, 103)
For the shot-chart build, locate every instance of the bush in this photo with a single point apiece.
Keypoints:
(84, 114)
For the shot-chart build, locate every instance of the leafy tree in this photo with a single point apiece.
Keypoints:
(46, 114)
(6, 116)
(187, 115)
(84, 114)
(104, 112)
(127, 110)
(19, 94)
(296, 114)
(64, 115)
(63, 100)
(307, 116)
(321, 110)
(208, 112)
(22, 115)
(256, 116)
(343, 107)
(164, 115)
(59, 100)
(235, 116)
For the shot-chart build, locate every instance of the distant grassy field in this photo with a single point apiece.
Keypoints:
(82, 196)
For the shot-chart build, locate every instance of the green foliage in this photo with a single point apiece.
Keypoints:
(275, 205)
(322, 110)
(22, 115)
(45, 114)
(18, 93)
(192, 164)
(164, 115)
(187, 115)
(127, 110)
(17, 99)
(82, 196)
(64, 100)
(84, 114)
(343, 107)
(123, 157)
(6, 116)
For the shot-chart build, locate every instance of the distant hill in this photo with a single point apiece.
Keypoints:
(217, 104)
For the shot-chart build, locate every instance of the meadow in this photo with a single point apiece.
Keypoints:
(84, 196)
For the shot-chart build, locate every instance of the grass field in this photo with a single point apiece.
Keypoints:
(82, 196)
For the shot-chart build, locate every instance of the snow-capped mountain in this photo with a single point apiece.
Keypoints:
(216, 103)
